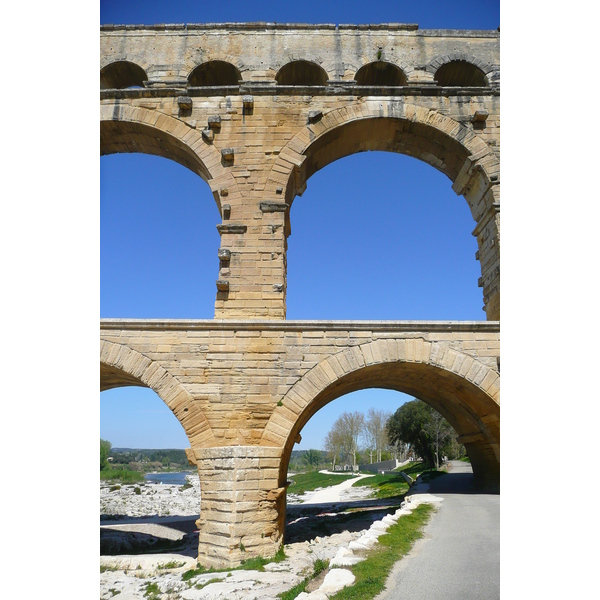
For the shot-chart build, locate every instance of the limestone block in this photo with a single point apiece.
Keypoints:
(336, 579)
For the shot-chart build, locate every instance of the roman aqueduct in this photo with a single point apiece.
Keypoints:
(256, 109)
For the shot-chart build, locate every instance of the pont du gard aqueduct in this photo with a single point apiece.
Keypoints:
(255, 109)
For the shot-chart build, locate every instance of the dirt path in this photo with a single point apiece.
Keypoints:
(337, 493)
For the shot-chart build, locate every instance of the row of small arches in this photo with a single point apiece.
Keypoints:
(457, 73)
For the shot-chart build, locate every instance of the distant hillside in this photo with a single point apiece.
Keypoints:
(143, 459)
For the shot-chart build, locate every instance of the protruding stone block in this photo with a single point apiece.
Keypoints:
(208, 135)
(227, 154)
(480, 116)
(184, 102)
(222, 285)
(226, 211)
(232, 229)
(224, 254)
(270, 207)
(315, 115)
(214, 122)
(248, 102)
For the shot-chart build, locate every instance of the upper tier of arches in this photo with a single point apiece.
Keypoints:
(446, 71)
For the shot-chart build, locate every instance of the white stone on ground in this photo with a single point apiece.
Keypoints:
(335, 580)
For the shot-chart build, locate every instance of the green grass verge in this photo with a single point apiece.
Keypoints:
(385, 486)
(371, 574)
(122, 475)
(393, 484)
(308, 482)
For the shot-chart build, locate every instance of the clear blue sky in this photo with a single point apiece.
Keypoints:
(397, 238)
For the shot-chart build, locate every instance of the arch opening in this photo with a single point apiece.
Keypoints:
(155, 240)
(387, 134)
(134, 416)
(403, 250)
(214, 73)
(148, 452)
(460, 73)
(472, 413)
(301, 72)
(380, 73)
(129, 137)
(122, 75)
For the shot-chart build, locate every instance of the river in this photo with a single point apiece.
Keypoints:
(173, 478)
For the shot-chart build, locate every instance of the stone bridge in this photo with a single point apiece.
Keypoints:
(255, 110)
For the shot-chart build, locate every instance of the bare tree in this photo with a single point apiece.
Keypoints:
(342, 440)
(375, 431)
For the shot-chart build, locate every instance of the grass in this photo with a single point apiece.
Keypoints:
(371, 574)
(308, 482)
(385, 486)
(251, 564)
(122, 475)
(199, 586)
(152, 591)
(391, 485)
(170, 565)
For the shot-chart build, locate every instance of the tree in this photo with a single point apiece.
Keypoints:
(419, 425)
(375, 432)
(105, 447)
(312, 457)
(440, 432)
(342, 440)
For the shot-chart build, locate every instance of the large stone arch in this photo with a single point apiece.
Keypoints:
(391, 125)
(126, 128)
(463, 389)
(453, 148)
(122, 366)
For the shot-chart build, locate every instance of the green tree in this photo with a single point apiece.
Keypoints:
(104, 452)
(312, 458)
(424, 429)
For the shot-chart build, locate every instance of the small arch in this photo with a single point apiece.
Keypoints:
(380, 73)
(121, 75)
(301, 72)
(460, 73)
(214, 72)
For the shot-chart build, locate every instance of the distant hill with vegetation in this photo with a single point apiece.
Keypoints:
(149, 460)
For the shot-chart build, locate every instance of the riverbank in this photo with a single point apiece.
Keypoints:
(149, 499)
(315, 532)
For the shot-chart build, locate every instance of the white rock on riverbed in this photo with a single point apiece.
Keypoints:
(153, 499)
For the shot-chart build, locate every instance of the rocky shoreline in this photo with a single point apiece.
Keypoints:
(159, 520)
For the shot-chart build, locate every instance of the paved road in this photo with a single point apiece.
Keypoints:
(459, 556)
